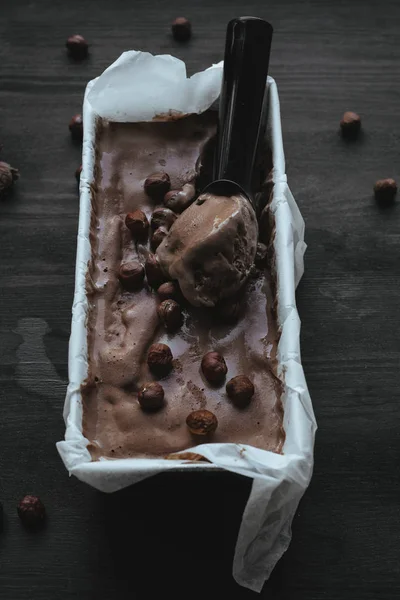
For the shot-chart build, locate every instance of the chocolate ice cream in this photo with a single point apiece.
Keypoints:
(210, 249)
(123, 324)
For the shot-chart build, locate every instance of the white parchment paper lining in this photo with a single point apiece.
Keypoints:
(137, 87)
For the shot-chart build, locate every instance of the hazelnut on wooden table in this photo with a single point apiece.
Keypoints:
(157, 185)
(137, 224)
(240, 390)
(202, 422)
(385, 191)
(77, 46)
(76, 127)
(170, 314)
(31, 511)
(181, 29)
(131, 275)
(350, 124)
(7, 177)
(159, 359)
(214, 367)
(151, 396)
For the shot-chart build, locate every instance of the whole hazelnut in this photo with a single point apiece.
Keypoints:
(181, 29)
(131, 275)
(162, 217)
(7, 177)
(151, 396)
(76, 127)
(240, 390)
(170, 314)
(350, 124)
(169, 291)
(77, 46)
(137, 224)
(385, 191)
(179, 200)
(214, 367)
(154, 273)
(157, 185)
(158, 237)
(202, 422)
(78, 174)
(159, 359)
(31, 511)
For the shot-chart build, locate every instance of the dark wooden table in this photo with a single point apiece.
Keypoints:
(139, 543)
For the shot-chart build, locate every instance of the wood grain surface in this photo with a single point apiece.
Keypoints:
(173, 536)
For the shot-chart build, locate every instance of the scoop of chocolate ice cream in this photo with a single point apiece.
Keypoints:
(210, 248)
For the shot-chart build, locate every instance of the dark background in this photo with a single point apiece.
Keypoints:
(174, 536)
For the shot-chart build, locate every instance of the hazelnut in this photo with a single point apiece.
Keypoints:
(131, 275)
(350, 124)
(137, 224)
(7, 177)
(170, 314)
(240, 390)
(154, 273)
(77, 47)
(157, 185)
(31, 511)
(162, 217)
(181, 29)
(159, 359)
(169, 291)
(179, 200)
(385, 191)
(158, 237)
(202, 422)
(214, 367)
(171, 200)
(76, 127)
(78, 174)
(151, 396)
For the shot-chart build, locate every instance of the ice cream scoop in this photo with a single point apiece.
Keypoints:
(211, 247)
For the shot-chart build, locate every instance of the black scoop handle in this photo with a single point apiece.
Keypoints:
(247, 51)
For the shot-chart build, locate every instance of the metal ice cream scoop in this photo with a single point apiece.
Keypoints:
(246, 61)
